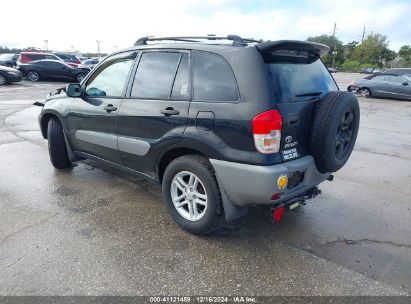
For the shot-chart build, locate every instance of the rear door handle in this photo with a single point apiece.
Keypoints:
(110, 108)
(169, 111)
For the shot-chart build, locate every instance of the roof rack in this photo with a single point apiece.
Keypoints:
(237, 40)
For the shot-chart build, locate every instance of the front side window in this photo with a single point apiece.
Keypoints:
(393, 78)
(155, 75)
(213, 79)
(379, 78)
(110, 78)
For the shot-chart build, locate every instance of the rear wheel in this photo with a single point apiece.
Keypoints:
(57, 145)
(33, 76)
(80, 77)
(3, 80)
(191, 194)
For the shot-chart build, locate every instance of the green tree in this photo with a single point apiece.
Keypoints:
(334, 44)
(374, 50)
(405, 51)
(349, 49)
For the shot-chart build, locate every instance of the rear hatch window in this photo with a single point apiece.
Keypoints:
(292, 80)
(298, 80)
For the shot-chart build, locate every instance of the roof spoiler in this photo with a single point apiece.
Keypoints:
(311, 48)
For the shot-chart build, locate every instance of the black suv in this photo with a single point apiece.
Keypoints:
(221, 126)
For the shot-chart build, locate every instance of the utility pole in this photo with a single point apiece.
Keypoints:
(363, 35)
(72, 48)
(335, 45)
(98, 47)
(45, 43)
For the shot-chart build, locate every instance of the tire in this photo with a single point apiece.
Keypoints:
(79, 77)
(334, 130)
(3, 80)
(57, 145)
(33, 76)
(209, 211)
(365, 92)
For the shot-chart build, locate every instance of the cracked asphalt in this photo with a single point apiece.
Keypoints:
(92, 230)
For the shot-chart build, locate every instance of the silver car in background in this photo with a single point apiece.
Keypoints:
(383, 85)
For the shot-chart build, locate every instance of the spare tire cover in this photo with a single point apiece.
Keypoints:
(334, 130)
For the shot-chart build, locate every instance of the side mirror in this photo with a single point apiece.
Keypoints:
(74, 90)
(404, 83)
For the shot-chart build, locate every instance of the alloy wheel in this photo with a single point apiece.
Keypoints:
(2, 80)
(189, 195)
(33, 76)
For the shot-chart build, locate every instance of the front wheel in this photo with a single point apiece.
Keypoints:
(191, 194)
(365, 92)
(57, 145)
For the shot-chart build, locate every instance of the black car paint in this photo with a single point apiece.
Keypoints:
(60, 71)
(14, 77)
(9, 62)
(217, 130)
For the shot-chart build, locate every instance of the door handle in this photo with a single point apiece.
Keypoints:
(110, 108)
(169, 111)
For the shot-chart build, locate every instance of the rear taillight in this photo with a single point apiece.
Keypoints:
(267, 131)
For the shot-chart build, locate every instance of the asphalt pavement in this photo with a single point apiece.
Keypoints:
(92, 230)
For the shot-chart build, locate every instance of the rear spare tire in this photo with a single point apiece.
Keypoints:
(334, 130)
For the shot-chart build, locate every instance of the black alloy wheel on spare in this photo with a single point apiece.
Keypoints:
(334, 130)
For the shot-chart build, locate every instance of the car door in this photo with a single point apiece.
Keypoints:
(57, 70)
(154, 114)
(93, 118)
(395, 87)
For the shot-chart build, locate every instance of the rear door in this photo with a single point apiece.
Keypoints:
(298, 80)
(154, 114)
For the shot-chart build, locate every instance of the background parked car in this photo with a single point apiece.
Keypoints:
(399, 71)
(383, 85)
(9, 60)
(55, 69)
(70, 59)
(332, 70)
(26, 57)
(8, 75)
(89, 64)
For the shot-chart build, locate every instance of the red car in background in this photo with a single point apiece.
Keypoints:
(26, 57)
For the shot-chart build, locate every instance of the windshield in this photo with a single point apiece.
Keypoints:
(291, 80)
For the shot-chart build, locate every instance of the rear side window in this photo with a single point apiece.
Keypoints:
(181, 87)
(155, 75)
(213, 79)
(292, 79)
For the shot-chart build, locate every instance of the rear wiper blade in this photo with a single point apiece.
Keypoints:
(309, 94)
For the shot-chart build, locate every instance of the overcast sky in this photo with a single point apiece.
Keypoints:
(119, 23)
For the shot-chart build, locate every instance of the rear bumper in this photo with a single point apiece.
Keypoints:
(246, 185)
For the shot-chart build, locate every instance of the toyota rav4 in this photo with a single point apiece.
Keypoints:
(222, 123)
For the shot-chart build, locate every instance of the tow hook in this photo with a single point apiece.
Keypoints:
(330, 178)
